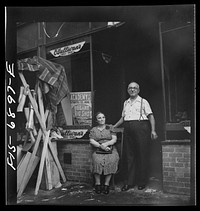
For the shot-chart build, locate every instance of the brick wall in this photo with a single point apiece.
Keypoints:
(75, 159)
(176, 167)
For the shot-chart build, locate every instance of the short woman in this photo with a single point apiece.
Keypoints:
(102, 138)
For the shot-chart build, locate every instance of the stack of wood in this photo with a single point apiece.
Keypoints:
(43, 149)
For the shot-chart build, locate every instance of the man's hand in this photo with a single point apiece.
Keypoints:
(154, 135)
(110, 126)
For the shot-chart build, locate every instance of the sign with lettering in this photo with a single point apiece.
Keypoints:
(75, 133)
(81, 108)
(67, 50)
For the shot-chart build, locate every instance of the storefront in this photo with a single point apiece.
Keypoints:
(91, 72)
(100, 59)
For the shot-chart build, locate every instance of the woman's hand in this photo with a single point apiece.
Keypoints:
(105, 147)
(108, 148)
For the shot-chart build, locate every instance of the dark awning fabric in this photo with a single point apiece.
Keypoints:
(50, 73)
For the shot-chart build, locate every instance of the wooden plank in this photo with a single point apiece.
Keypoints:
(19, 154)
(21, 103)
(27, 146)
(54, 170)
(27, 173)
(47, 171)
(33, 102)
(21, 168)
(35, 162)
(57, 162)
(26, 112)
(44, 151)
(41, 105)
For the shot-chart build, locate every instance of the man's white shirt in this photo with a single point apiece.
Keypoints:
(132, 109)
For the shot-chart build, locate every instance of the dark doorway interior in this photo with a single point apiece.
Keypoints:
(131, 60)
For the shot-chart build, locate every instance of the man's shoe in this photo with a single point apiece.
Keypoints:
(141, 187)
(125, 187)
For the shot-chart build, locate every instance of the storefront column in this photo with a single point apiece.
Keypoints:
(176, 162)
(91, 73)
(41, 42)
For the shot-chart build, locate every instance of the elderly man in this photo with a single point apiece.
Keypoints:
(139, 128)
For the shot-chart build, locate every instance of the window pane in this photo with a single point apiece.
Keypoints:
(59, 30)
(80, 65)
(179, 74)
(77, 64)
(26, 36)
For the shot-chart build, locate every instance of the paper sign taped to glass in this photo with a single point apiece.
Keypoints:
(81, 108)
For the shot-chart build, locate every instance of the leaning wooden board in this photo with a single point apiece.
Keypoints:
(21, 168)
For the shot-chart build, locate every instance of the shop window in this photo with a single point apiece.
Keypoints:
(58, 30)
(178, 55)
(76, 64)
(81, 80)
(178, 62)
(61, 30)
(74, 56)
(27, 36)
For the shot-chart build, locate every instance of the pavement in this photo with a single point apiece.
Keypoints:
(82, 194)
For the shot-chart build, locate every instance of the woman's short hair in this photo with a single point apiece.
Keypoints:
(97, 113)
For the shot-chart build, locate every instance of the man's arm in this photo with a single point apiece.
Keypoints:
(152, 123)
(121, 120)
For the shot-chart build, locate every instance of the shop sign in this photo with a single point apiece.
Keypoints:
(81, 108)
(75, 133)
(67, 50)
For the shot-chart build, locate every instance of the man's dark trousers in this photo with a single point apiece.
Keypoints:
(136, 152)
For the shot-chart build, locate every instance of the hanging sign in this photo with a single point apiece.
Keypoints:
(81, 108)
(67, 50)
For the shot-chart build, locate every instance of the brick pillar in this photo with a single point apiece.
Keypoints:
(176, 158)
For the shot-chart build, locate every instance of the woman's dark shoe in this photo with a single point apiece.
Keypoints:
(125, 187)
(98, 189)
(106, 189)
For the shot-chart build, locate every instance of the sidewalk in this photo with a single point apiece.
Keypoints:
(72, 193)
